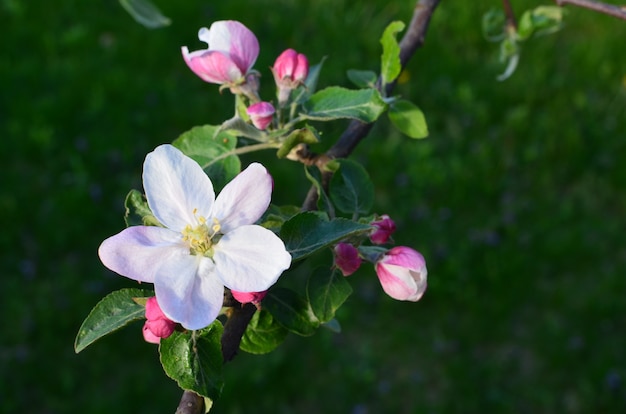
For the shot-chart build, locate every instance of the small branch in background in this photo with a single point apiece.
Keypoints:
(238, 319)
(357, 130)
(511, 21)
(609, 9)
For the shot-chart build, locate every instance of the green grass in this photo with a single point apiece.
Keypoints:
(516, 200)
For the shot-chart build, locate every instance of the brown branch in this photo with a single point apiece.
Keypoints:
(510, 14)
(609, 9)
(357, 130)
(238, 319)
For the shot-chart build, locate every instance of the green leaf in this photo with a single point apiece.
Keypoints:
(263, 334)
(275, 216)
(327, 290)
(145, 13)
(137, 211)
(194, 360)
(114, 311)
(493, 23)
(335, 102)
(306, 135)
(408, 118)
(351, 189)
(540, 21)
(213, 150)
(362, 78)
(291, 310)
(390, 60)
(309, 232)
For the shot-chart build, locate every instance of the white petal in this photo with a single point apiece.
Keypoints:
(250, 259)
(234, 38)
(137, 252)
(189, 292)
(176, 186)
(244, 200)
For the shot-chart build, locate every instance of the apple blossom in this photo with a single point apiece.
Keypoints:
(232, 51)
(290, 71)
(347, 258)
(157, 325)
(384, 229)
(261, 114)
(402, 273)
(206, 242)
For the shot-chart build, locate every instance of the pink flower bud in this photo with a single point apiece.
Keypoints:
(231, 53)
(261, 114)
(402, 273)
(157, 325)
(248, 297)
(384, 229)
(290, 70)
(347, 258)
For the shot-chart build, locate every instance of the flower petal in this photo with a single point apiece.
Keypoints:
(235, 39)
(188, 291)
(177, 189)
(250, 259)
(137, 252)
(213, 66)
(244, 200)
(401, 283)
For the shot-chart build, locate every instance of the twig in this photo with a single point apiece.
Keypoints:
(357, 130)
(609, 9)
(510, 15)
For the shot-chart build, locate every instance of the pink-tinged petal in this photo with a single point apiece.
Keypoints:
(248, 297)
(347, 258)
(250, 259)
(137, 252)
(153, 310)
(177, 189)
(285, 64)
(213, 66)
(244, 200)
(302, 69)
(261, 114)
(188, 291)
(234, 39)
(161, 327)
(148, 336)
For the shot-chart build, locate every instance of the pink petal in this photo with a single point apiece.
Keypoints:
(213, 66)
(148, 336)
(177, 189)
(234, 39)
(137, 252)
(188, 291)
(244, 200)
(250, 259)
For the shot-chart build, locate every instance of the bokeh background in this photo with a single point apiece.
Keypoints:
(516, 200)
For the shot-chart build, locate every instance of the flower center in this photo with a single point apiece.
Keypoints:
(203, 236)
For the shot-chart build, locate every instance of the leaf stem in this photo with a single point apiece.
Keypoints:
(243, 150)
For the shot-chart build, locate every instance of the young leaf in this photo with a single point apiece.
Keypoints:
(137, 211)
(114, 311)
(263, 334)
(408, 118)
(310, 84)
(291, 310)
(213, 151)
(308, 232)
(306, 135)
(335, 102)
(390, 60)
(351, 189)
(327, 290)
(194, 360)
(362, 78)
(145, 13)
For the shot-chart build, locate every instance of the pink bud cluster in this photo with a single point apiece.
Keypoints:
(157, 325)
(232, 49)
(401, 270)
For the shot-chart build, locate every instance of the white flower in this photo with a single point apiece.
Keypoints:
(206, 244)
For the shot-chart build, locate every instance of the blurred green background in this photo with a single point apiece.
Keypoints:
(516, 200)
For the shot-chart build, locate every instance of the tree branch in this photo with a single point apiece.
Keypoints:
(357, 130)
(609, 9)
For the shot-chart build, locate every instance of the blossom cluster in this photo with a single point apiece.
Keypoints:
(401, 270)
(228, 61)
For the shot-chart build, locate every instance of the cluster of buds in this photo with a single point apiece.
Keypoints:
(228, 61)
(157, 325)
(401, 270)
